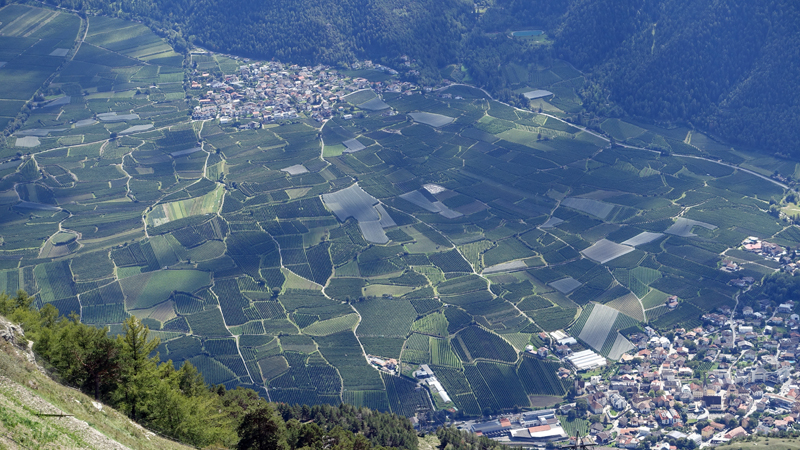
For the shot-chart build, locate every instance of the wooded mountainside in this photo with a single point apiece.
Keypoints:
(728, 67)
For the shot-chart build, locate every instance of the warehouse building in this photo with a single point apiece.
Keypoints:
(586, 360)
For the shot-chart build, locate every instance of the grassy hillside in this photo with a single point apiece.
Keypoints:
(26, 394)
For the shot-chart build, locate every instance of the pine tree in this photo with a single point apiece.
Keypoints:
(262, 429)
(84, 356)
(138, 370)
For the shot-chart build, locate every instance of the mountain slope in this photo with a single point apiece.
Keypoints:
(305, 32)
(725, 66)
(25, 393)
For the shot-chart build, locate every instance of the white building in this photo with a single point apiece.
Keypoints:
(562, 338)
(586, 360)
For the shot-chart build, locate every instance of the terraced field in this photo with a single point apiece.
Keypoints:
(450, 233)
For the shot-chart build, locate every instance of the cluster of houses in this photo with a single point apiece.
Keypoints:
(385, 365)
(789, 259)
(268, 92)
(534, 427)
(732, 377)
(766, 249)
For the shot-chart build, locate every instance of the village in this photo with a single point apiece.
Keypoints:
(731, 378)
(269, 92)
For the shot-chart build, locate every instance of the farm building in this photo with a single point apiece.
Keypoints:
(423, 372)
(586, 360)
(490, 429)
(436, 386)
(563, 338)
(541, 433)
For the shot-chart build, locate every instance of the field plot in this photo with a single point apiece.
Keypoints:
(540, 377)
(419, 199)
(139, 128)
(683, 227)
(361, 96)
(385, 318)
(604, 251)
(511, 266)
(653, 299)
(353, 145)
(354, 202)
(27, 142)
(621, 130)
(168, 212)
(432, 119)
(628, 304)
(149, 289)
(376, 104)
(474, 342)
(598, 325)
(565, 285)
(332, 326)
(594, 207)
(404, 397)
(645, 237)
(297, 169)
(638, 279)
(551, 222)
(114, 117)
(432, 324)
(538, 93)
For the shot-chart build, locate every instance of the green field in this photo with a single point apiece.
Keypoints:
(146, 290)
(168, 212)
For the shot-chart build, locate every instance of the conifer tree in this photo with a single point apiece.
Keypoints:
(138, 370)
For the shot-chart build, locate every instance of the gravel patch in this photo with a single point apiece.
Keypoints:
(90, 437)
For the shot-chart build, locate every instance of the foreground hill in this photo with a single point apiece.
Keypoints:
(174, 403)
(37, 412)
